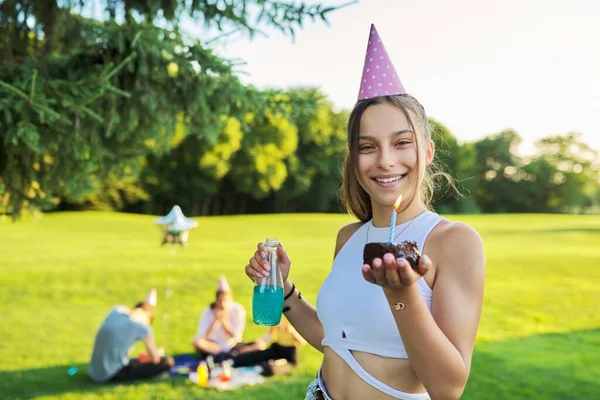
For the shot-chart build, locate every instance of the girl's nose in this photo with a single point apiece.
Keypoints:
(385, 160)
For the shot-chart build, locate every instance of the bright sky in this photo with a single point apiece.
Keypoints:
(478, 66)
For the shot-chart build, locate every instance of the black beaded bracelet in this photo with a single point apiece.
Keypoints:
(290, 293)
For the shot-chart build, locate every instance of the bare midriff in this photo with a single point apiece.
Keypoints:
(344, 384)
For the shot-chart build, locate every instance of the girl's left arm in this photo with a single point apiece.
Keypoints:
(440, 343)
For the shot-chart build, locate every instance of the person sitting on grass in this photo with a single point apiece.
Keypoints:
(221, 325)
(284, 340)
(119, 332)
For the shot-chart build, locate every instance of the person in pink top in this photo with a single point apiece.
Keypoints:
(387, 330)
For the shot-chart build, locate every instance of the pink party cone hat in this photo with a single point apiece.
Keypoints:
(223, 284)
(379, 77)
(152, 298)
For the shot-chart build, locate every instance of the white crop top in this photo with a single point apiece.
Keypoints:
(355, 314)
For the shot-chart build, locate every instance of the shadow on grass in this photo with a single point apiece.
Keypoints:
(54, 381)
(542, 367)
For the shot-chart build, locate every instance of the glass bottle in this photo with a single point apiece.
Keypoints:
(202, 374)
(267, 299)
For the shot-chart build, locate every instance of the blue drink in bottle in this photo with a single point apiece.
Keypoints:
(267, 299)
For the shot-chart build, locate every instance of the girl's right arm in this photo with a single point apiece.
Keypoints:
(303, 317)
(301, 314)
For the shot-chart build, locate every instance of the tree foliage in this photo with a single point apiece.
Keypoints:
(82, 99)
(122, 110)
(458, 161)
(277, 153)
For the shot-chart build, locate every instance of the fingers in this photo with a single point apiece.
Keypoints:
(282, 256)
(261, 249)
(408, 276)
(254, 270)
(404, 271)
(368, 273)
(392, 276)
(385, 272)
(389, 272)
(251, 273)
(257, 266)
(378, 270)
(257, 269)
(424, 265)
(260, 265)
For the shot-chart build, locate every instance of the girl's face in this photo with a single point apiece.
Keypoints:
(387, 155)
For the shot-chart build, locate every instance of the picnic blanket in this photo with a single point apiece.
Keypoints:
(186, 366)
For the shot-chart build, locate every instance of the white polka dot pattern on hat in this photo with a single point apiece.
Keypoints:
(372, 78)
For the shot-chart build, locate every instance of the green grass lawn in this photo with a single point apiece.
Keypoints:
(59, 275)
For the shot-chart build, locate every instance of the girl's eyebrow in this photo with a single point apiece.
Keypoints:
(397, 133)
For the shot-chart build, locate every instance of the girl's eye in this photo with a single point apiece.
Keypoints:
(366, 147)
(403, 143)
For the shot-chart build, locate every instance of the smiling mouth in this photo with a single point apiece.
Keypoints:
(390, 179)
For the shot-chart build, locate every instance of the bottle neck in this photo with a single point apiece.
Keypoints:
(274, 278)
(271, 242)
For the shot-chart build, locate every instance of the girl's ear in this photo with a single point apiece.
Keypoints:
(429, 152)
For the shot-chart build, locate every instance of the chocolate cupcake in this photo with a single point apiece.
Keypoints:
(407, 250)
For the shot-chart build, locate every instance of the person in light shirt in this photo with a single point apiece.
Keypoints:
(221, 325)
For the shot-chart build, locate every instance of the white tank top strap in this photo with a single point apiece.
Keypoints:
(359, 236)
(428, 221)
(420, 232)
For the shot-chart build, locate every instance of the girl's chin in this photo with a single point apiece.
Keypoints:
(387, 201)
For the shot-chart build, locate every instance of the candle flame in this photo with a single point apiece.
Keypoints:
(397, 203)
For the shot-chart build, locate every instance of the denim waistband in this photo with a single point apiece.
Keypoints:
(317, 389)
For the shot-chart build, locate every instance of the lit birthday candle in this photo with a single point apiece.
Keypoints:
(393, 219)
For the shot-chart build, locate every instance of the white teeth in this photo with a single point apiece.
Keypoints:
(388, 180)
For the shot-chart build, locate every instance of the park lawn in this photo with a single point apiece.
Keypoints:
(59, 275)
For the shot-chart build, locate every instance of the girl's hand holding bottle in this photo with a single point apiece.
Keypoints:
(266, 269)
(258, 267)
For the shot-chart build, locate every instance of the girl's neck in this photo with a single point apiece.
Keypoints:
(382, 214)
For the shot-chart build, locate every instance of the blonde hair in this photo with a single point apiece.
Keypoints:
(355, 199)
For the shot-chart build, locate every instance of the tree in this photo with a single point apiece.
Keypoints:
(458, 161)
(315, 168)
(571, 173)
(495, 168)
(284, 155)
(82, 98)
(260, 168)
(537, 187)
(191, 173)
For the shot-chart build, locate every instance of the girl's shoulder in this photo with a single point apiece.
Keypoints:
(346, 233)
(452, 237)
(453, 232)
